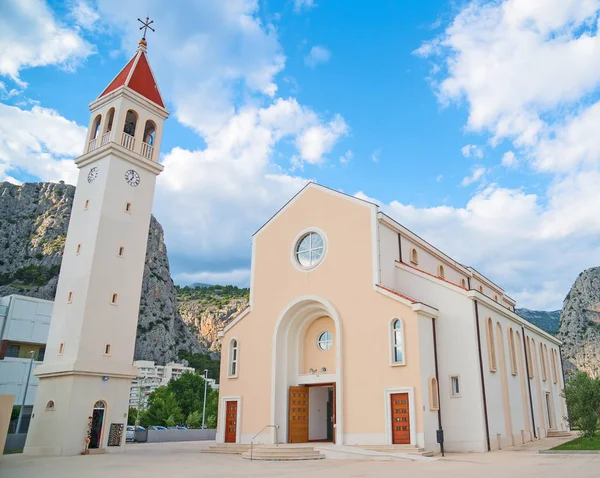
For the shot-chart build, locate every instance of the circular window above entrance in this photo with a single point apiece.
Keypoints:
(310, 250)
(325, 341)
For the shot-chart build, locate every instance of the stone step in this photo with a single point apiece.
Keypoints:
(226, 449)
(408, 449)
(559, 433)
(280, 457)
(283, 453)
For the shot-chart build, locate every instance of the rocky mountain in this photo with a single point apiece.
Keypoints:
(547, 321)
(34, 218)
(580, 323)
(207, 309)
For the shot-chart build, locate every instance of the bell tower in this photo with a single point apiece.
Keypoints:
(83, 393)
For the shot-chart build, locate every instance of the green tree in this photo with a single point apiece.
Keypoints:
(163, 408)
(194, 419)
(202, 362)
(212, 409)
(188, 390)
(582, 394)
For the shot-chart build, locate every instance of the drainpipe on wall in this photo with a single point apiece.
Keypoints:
(440, 433)
(399, 248)
(485, 411)
(528, 379)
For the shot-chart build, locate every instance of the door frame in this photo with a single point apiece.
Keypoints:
(549, 410)
(329, 384)
(102, 427)
(223, 418)
(411, 413)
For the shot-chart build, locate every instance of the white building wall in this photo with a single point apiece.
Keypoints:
(426, 359)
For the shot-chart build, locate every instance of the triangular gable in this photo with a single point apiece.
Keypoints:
(303, 190)
(120, 79)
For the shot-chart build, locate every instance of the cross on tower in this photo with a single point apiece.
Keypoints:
(145, 25)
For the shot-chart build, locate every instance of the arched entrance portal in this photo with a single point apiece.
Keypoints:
(97, 424)
(307, 367)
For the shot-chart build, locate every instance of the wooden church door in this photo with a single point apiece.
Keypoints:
(231, 422)
(400, 419)
(298, 415)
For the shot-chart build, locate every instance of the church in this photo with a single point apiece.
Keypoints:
(360, 332)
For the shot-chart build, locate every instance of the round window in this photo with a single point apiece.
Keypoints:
(325, 341)
(309, 250)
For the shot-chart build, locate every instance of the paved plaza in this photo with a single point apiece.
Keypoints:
(185, 460)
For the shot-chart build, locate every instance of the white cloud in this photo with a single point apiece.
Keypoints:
(439, 178)
(317, 55)
(304, 5)
(471, 150)
(30, 36)
(84, 14)
(475, 176)
(318, 140)
(524, 72)
(207, 56)
(239, 277)
(509, 159)
(40, 143)
(375, 155)
(346, 157)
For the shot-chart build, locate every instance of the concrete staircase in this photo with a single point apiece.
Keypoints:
(408, 449)
(558, 433)
(226, 449)
(283, 453)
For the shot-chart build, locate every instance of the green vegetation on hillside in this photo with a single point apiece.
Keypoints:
(30, 275)
(217, 295)
(202, 362)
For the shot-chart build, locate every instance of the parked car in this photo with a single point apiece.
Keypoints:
(130, 433)
(178, 427)
(157, 427)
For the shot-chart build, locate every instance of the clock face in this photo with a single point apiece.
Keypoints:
(132, 177)
(92, 175)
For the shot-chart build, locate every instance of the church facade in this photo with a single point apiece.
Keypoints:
(359, 332)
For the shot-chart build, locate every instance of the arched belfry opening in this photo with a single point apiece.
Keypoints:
(128, 139)
(306, 387)
(148, 139)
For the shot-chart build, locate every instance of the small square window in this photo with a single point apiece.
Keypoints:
(70, 297)
(87, 205)
(61, 348)
(106, 349)
(128, 207)
(114, 298)
(121, 251)
(78, 249)
(455, 382)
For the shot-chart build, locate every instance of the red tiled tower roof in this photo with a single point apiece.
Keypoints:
(137, 75)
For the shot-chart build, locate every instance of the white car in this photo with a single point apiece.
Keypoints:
(130, 433)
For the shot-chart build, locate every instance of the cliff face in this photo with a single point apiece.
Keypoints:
(34, 218)
(547, 321)
(206, 320)
(580, 324)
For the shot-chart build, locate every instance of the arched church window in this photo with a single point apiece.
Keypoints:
(543, 362)
(233, 358)
(414, 256)
(109, 120)
(149, 132)
(511, 351)
(96, 127)
(131, 119)
(434, 397)
(50, 405)
(325, 341)
(397, 336)
(99, 405)
(463, 283)
(310, 249)
(441, 272)
(491, 345)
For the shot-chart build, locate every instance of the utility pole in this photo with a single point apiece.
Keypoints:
(204, 403)
(25, 393)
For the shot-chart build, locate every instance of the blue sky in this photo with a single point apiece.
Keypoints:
(469, 122)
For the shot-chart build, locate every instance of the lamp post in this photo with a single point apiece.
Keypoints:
(204, 403)
(25, 393)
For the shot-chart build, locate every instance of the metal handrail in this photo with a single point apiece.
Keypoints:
(276, 427)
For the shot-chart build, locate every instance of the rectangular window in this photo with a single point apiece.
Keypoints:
(41, 354)
(455, 382)
(128, 207)
(61, 348)
(70, 297)
(13, 351)
(78, 249)
(106, 349)
(87, 205)
(121, 251)
(114, 298)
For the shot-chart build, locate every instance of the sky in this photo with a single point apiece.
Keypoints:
(473, 123)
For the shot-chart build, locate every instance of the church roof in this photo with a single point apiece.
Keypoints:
(137, 75)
